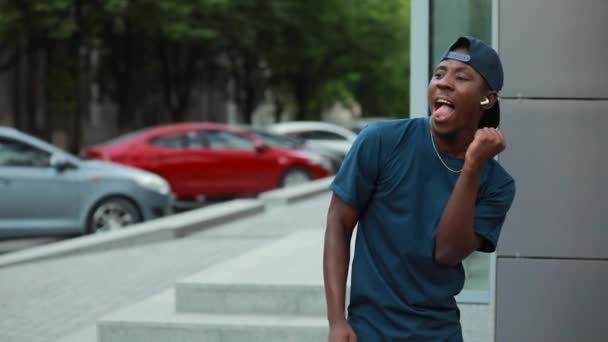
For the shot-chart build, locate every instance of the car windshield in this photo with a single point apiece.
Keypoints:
(277, 140)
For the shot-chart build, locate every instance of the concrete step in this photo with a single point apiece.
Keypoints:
(274, 293)
(155, 321)
(285, 277)
(206, 298)
(250, 299)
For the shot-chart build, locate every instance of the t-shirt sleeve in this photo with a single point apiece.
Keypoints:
(356, 180)
(490, 212)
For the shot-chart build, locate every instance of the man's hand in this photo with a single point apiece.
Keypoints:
(341, 332)
(488, 142)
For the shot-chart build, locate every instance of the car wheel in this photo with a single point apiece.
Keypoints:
(295, 176)
(113, 213)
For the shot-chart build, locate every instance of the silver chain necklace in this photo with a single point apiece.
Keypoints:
(437, 153)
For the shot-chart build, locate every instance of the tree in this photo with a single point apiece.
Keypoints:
(331, 50)
(150, 57)
(28, 32)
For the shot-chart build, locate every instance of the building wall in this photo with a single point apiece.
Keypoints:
(552, 260)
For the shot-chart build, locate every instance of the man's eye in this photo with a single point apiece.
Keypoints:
(461, 78)
(438, 75)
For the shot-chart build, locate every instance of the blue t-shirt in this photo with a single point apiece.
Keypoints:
(394, 177)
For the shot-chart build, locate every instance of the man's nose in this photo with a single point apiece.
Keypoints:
(445, 83)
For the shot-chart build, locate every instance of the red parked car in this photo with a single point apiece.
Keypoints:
(212, 160)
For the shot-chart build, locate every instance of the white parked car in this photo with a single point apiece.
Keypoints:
(320, 135)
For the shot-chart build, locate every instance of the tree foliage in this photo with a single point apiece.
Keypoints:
(307, 54)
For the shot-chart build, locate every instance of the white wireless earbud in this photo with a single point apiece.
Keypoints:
(485, 101)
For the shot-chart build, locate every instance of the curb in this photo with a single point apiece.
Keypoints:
(295, 194)
(158, 230)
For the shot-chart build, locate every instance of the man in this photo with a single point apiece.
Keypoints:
(425, 193)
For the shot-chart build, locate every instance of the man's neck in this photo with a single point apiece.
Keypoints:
(454, 144)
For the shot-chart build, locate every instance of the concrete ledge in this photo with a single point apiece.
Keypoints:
(294, 194)
(252, 299)
(283, 277)
(154, 321)
(273, 293)
(163, 229)
(271, 299)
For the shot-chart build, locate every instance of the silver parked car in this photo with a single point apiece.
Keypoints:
(318, 135)
(46, 191)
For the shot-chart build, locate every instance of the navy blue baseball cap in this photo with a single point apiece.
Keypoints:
(483, 59)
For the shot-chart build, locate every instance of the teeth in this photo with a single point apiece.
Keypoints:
(442, 101)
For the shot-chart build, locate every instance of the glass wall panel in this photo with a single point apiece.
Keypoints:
(453, 18)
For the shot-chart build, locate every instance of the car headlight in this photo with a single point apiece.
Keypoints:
(153, 183)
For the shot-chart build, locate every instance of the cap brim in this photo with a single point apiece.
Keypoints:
(491, 117)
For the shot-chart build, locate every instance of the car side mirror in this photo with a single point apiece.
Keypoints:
(61, 163)
(261, 147)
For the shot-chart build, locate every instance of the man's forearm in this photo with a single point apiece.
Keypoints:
(455, 238)
(336, 258)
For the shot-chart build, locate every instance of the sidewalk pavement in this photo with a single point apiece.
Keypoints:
(61, 299)
(47, 300)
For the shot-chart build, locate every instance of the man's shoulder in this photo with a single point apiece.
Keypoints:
(391, 124)
(394, 128)
(389, 138)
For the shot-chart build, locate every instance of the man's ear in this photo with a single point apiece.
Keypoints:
(492, 97)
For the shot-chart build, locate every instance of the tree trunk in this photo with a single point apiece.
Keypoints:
(177, 82)
(249, 103)
(82, 56)
(301, 95)
(250, 89)
(19, 86)
(167, 86)
(184, 85)
(83, 96)
(279, 107)
(18, 82)
(123, 69)
(42, 125)
(31, 102)
(183, 100)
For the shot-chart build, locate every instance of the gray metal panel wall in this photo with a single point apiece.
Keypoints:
(551, 300)
(554, 48)
(557, 154)
(554, 111)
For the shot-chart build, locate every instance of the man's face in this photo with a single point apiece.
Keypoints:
(454, 94)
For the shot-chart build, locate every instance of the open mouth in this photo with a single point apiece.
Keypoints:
(443, 109)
